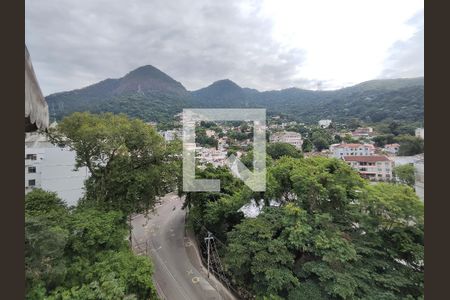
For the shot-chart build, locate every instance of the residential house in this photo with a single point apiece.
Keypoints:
(391, 148)
(324, 123)
(341, 150)
(362, 132)
(289, 137)
(373, 167)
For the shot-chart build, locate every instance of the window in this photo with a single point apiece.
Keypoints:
(31, 156)
(31, 169)
(32, 182)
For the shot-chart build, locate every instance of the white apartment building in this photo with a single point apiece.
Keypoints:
(373, 167)
(289, 137)
(341, 150)
(170, 135)
(324, 123)
(420, 132)
(51, 168)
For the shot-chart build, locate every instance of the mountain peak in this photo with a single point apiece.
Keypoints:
(149, 79)
(225, 83)
(147, 71)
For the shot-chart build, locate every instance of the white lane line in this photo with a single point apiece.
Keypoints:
(168, 271)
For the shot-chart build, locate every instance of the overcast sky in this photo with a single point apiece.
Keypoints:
(262, 44)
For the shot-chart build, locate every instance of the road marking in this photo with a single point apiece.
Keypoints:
(195, 280)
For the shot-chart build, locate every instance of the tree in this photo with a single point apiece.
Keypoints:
(126, 159)
(320, 143)
(80, 253)
(382, 140)
(406, 174)
(277, 150)
(307, 145)
(334, 237)
(410, 145)
(349, 139)
(321, 139)
(45, 240)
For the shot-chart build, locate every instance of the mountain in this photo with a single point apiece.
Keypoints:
(145, 92)
(152, 95)
(370, 101)
(222, 92)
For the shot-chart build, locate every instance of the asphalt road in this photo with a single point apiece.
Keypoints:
(178, 271)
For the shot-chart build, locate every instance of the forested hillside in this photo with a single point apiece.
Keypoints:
(151, 95)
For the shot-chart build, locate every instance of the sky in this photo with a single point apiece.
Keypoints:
(261, 44)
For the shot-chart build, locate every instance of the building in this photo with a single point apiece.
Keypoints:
(362, 132)
(373, 167)
(170, 135)
(391, 148)
(420, 132)
(36, 108)
(420, 178)
(51, 168)
(210, 133)
(341, 150)
(324, 123)
(289, 137)
(418, 162)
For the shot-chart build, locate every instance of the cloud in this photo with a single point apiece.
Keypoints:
(406, 58)
(76, 43)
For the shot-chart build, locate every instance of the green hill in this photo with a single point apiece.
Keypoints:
(152, 95)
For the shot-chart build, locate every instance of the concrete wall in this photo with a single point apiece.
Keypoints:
(55, 172)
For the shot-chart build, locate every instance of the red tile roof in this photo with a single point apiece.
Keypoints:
(354, 146)
(368, 158)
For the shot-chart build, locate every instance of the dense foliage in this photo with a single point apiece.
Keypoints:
(128, 161)
(151, 95)
(80, 253)
(333, 237)
(406, 174)
(277, 150)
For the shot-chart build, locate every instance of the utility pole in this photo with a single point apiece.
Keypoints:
(208, 239)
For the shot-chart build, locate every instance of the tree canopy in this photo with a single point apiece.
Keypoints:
(127, 159)
(82, 254)
(334, 236)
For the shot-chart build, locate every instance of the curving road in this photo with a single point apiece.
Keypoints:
(178, 271)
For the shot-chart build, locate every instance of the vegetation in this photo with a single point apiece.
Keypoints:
(333, 237)
(410, 145)
(406, 174)
(129, 163)
(307, 145)
(149, 94)
(80, 253)
(277, 150)
(321, 139)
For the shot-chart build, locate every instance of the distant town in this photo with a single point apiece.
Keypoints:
(52, 168)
